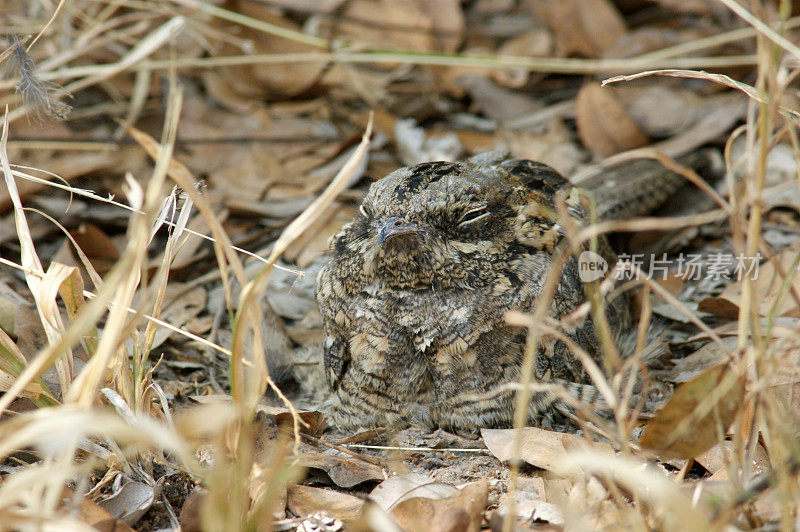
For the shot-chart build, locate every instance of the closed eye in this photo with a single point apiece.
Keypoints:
(473, 215)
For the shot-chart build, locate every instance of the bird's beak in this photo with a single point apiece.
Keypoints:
(395, 226)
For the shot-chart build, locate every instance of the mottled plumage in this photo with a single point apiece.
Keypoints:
(417, 287)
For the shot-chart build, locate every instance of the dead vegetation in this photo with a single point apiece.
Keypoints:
(173, 169)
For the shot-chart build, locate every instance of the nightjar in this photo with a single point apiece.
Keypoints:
(414, 295)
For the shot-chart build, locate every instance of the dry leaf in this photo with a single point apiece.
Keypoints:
(718, 458)
(687, 425)
(690, 366)
(582, 27)
(96, 516)
(399, 488)
(96, 245)
(540, 448)
(719, 306)
(181, 304)
(416, 25)
(603, 124)
(344, 471)
(131, 502)
(774, 293)
(264, 80)
(537, 42)
(306, 500)
(460, 511)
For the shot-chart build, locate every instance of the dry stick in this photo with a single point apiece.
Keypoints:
(684, 49)
(749, 432)
(557, 65)
(650, 224)
(343, 449)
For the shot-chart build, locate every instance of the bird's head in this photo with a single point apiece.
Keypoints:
(440, 224)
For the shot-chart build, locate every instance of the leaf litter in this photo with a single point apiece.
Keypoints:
(273, 98)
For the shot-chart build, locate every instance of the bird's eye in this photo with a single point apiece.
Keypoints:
(363, 211)
(473, 215)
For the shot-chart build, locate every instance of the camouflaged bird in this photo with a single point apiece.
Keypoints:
(416, 289)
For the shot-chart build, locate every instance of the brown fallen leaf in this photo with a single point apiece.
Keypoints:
(95, 515)
(603, 124)
(690, 366)
(398, 488)
(582, 27)
(537, 42)
(716, 460)
(264, 80)
(719, 306)
(690, 421)
(96, 245)
(540, 448)
(344, 471)
(776, 284)
(314, 420)
(306, 500)
(461, 511)
(418, 25)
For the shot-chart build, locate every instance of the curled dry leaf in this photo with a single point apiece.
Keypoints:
(690, 422)
(235, 85)
(398, 488)
(131, 502)
(540, 448)
(537, 42)
(690, 366)
(603, 124)
(460, 511)
(306, 500)
(582, 27)
(416, 25)
(344, 471)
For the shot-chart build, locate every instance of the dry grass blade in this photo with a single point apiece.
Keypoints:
(763, 28)
(36, 280)
(720, 79)
(248, 307)
(49, 23)
(672, 508)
